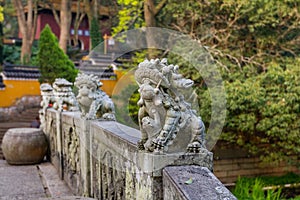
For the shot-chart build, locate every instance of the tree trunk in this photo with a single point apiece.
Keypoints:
(78, 19)
(27, 26)
(65, 23)
(25, 50)
(150, 11)
(89, 13)
(96, 9)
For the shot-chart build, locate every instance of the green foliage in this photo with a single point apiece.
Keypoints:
(127, 109)
(241, 31)
(254, 43)
(288, 178)
(263, 111)
(95, 34)
(1, 14)
(10, 23)
(247, 190)
(53, 62)
(11, 53)
(252, 188)
(130, 15)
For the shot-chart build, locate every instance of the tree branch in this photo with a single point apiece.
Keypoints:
(21, 16)
(30, 15)
(159, 7)
(56, 17)
(34, 25)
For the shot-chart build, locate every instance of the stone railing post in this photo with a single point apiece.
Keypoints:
(59, 143)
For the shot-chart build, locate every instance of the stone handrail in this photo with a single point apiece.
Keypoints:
(101, 159)
(192, 182)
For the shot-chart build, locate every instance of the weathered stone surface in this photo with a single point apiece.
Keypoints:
(193, 183)
(56, 187)
(24, 146)
(67, 198)
(20, 182)
(75, 146)
(152, 163)
(26, 182)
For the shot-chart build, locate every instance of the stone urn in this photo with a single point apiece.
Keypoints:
(22, 146)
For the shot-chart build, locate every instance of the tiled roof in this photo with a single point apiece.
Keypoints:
(20, 72)
(99, 65)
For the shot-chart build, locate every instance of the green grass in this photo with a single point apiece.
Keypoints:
(249, 190)
(253, 188)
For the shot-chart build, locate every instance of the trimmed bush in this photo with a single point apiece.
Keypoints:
(53, 62)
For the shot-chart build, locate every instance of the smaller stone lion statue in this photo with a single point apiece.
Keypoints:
(47, 101)
(63, 95)
(93, 102)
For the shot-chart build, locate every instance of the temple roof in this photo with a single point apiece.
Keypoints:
(11, 71)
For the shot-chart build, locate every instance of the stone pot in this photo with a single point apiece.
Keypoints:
(23, 146)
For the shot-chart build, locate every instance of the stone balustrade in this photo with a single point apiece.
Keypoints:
(101, 159)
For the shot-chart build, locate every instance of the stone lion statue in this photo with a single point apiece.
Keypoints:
(93, 102)
(167, 121)
(47, 101)
(63, 95)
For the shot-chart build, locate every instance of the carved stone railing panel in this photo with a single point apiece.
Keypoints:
(71, 151)
(71, 161)
(50, 131)
(112, 158)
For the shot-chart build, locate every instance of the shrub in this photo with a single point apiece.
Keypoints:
(53, 62)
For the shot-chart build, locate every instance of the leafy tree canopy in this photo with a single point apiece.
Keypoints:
(96, 36)
(245, 32)
(1, 14)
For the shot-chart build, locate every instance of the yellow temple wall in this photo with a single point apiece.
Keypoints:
(15, 89)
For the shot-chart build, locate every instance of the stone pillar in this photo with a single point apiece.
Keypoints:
(59, 144)
(149, 177)
(85, 156)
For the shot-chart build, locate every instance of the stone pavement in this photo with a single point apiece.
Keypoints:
(26, 182)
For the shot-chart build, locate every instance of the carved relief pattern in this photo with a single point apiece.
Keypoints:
(71, 151)
(109, 173)
(112, 178)
(53, 139)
